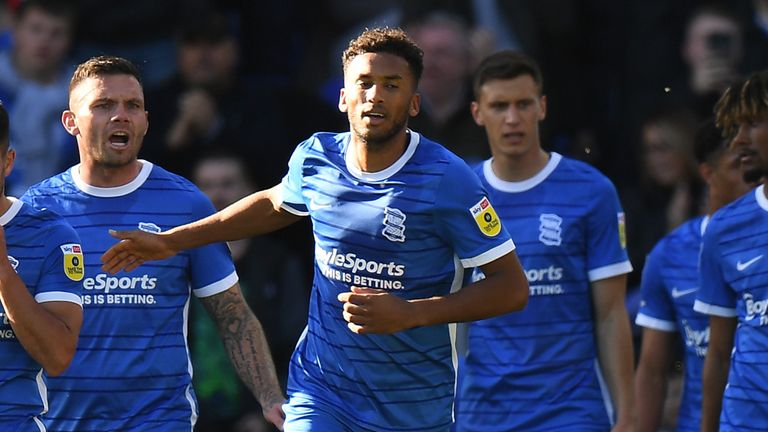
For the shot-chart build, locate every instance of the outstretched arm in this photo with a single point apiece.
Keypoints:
(258, 213)
(614, 346)
(47, 331)
(248, 350)
(504, 289)
(716, 366)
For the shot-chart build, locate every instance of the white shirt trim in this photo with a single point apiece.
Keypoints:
(491, 255)
(217, 287)
(704, 224)
(287, 207)
(12, 211)
(650, 322)
(521, 186)
(762, 201)
(386, 173)
(59, 296)
(608, 271)
(110, 192)
(708, 309)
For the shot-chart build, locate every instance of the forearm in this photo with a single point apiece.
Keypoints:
(255, 214)
(614, 341)
(715, 377)
(504, 290)
(651, 391)
(47, 339)
(246, 346)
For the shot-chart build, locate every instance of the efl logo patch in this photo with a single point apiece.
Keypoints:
(73, 261)
(622, 230)
(149, 227)
(486, 218)
(394, 224)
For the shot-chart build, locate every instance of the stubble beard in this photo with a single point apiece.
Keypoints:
(381, 140)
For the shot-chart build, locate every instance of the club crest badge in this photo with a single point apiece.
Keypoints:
(394, 225)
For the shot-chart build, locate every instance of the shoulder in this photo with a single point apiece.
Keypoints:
(56, 185)
(734, 214)
(48, 223)
(584, 173)
(433, 158)
(167, 182)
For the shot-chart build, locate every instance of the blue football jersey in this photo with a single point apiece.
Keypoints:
(734, 283)
(409, 229)
(132, 369)
(668, 290)
(46, 254)
(538, 369)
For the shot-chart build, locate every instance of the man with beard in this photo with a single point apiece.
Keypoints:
(132, 370)
(734, 275)
(396, 218)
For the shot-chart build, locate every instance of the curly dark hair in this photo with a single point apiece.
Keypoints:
(386, 40)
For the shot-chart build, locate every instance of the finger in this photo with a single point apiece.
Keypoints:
(361, 290)
(122, 235)
(355, 319)
(355, 309)
(356, 328)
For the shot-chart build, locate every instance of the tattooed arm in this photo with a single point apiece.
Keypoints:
(248, 350)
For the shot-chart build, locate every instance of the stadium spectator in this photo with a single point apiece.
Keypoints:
(34, 75)
(273, 281)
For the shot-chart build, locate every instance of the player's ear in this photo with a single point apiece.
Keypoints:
(69, 122)
(10, 157)
(543, 103)
(342, 100)
(474, 108)
(415, 105)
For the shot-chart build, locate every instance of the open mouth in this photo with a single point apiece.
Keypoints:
(119, 139)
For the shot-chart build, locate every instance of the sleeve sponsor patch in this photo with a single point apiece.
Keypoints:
(73, 261)
(486, 218)
(622, 230)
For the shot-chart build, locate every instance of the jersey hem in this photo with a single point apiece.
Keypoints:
(218, 286)
(650, 322)
(490, 255)
(708, 309)
(608, 271)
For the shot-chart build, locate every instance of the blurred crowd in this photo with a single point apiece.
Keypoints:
(233, 86)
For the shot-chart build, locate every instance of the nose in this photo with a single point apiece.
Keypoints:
(512, 116)
(373, 94)
(741, 138)
(120, 112)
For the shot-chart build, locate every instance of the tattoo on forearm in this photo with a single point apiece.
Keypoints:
(246, 345)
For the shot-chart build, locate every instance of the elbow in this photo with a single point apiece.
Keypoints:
(519, 297)
(59, 361)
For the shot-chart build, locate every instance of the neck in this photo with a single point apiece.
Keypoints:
(5, 204)
(519, 168)
(379, 156)
(102, 176)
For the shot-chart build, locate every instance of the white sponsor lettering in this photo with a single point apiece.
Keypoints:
(111, 283)
(756, 309)
(356, 264)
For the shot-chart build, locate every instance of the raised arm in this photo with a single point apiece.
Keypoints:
(258, 213)
(614, 345)
(47, 331)
(504, 289)
(248, 350)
